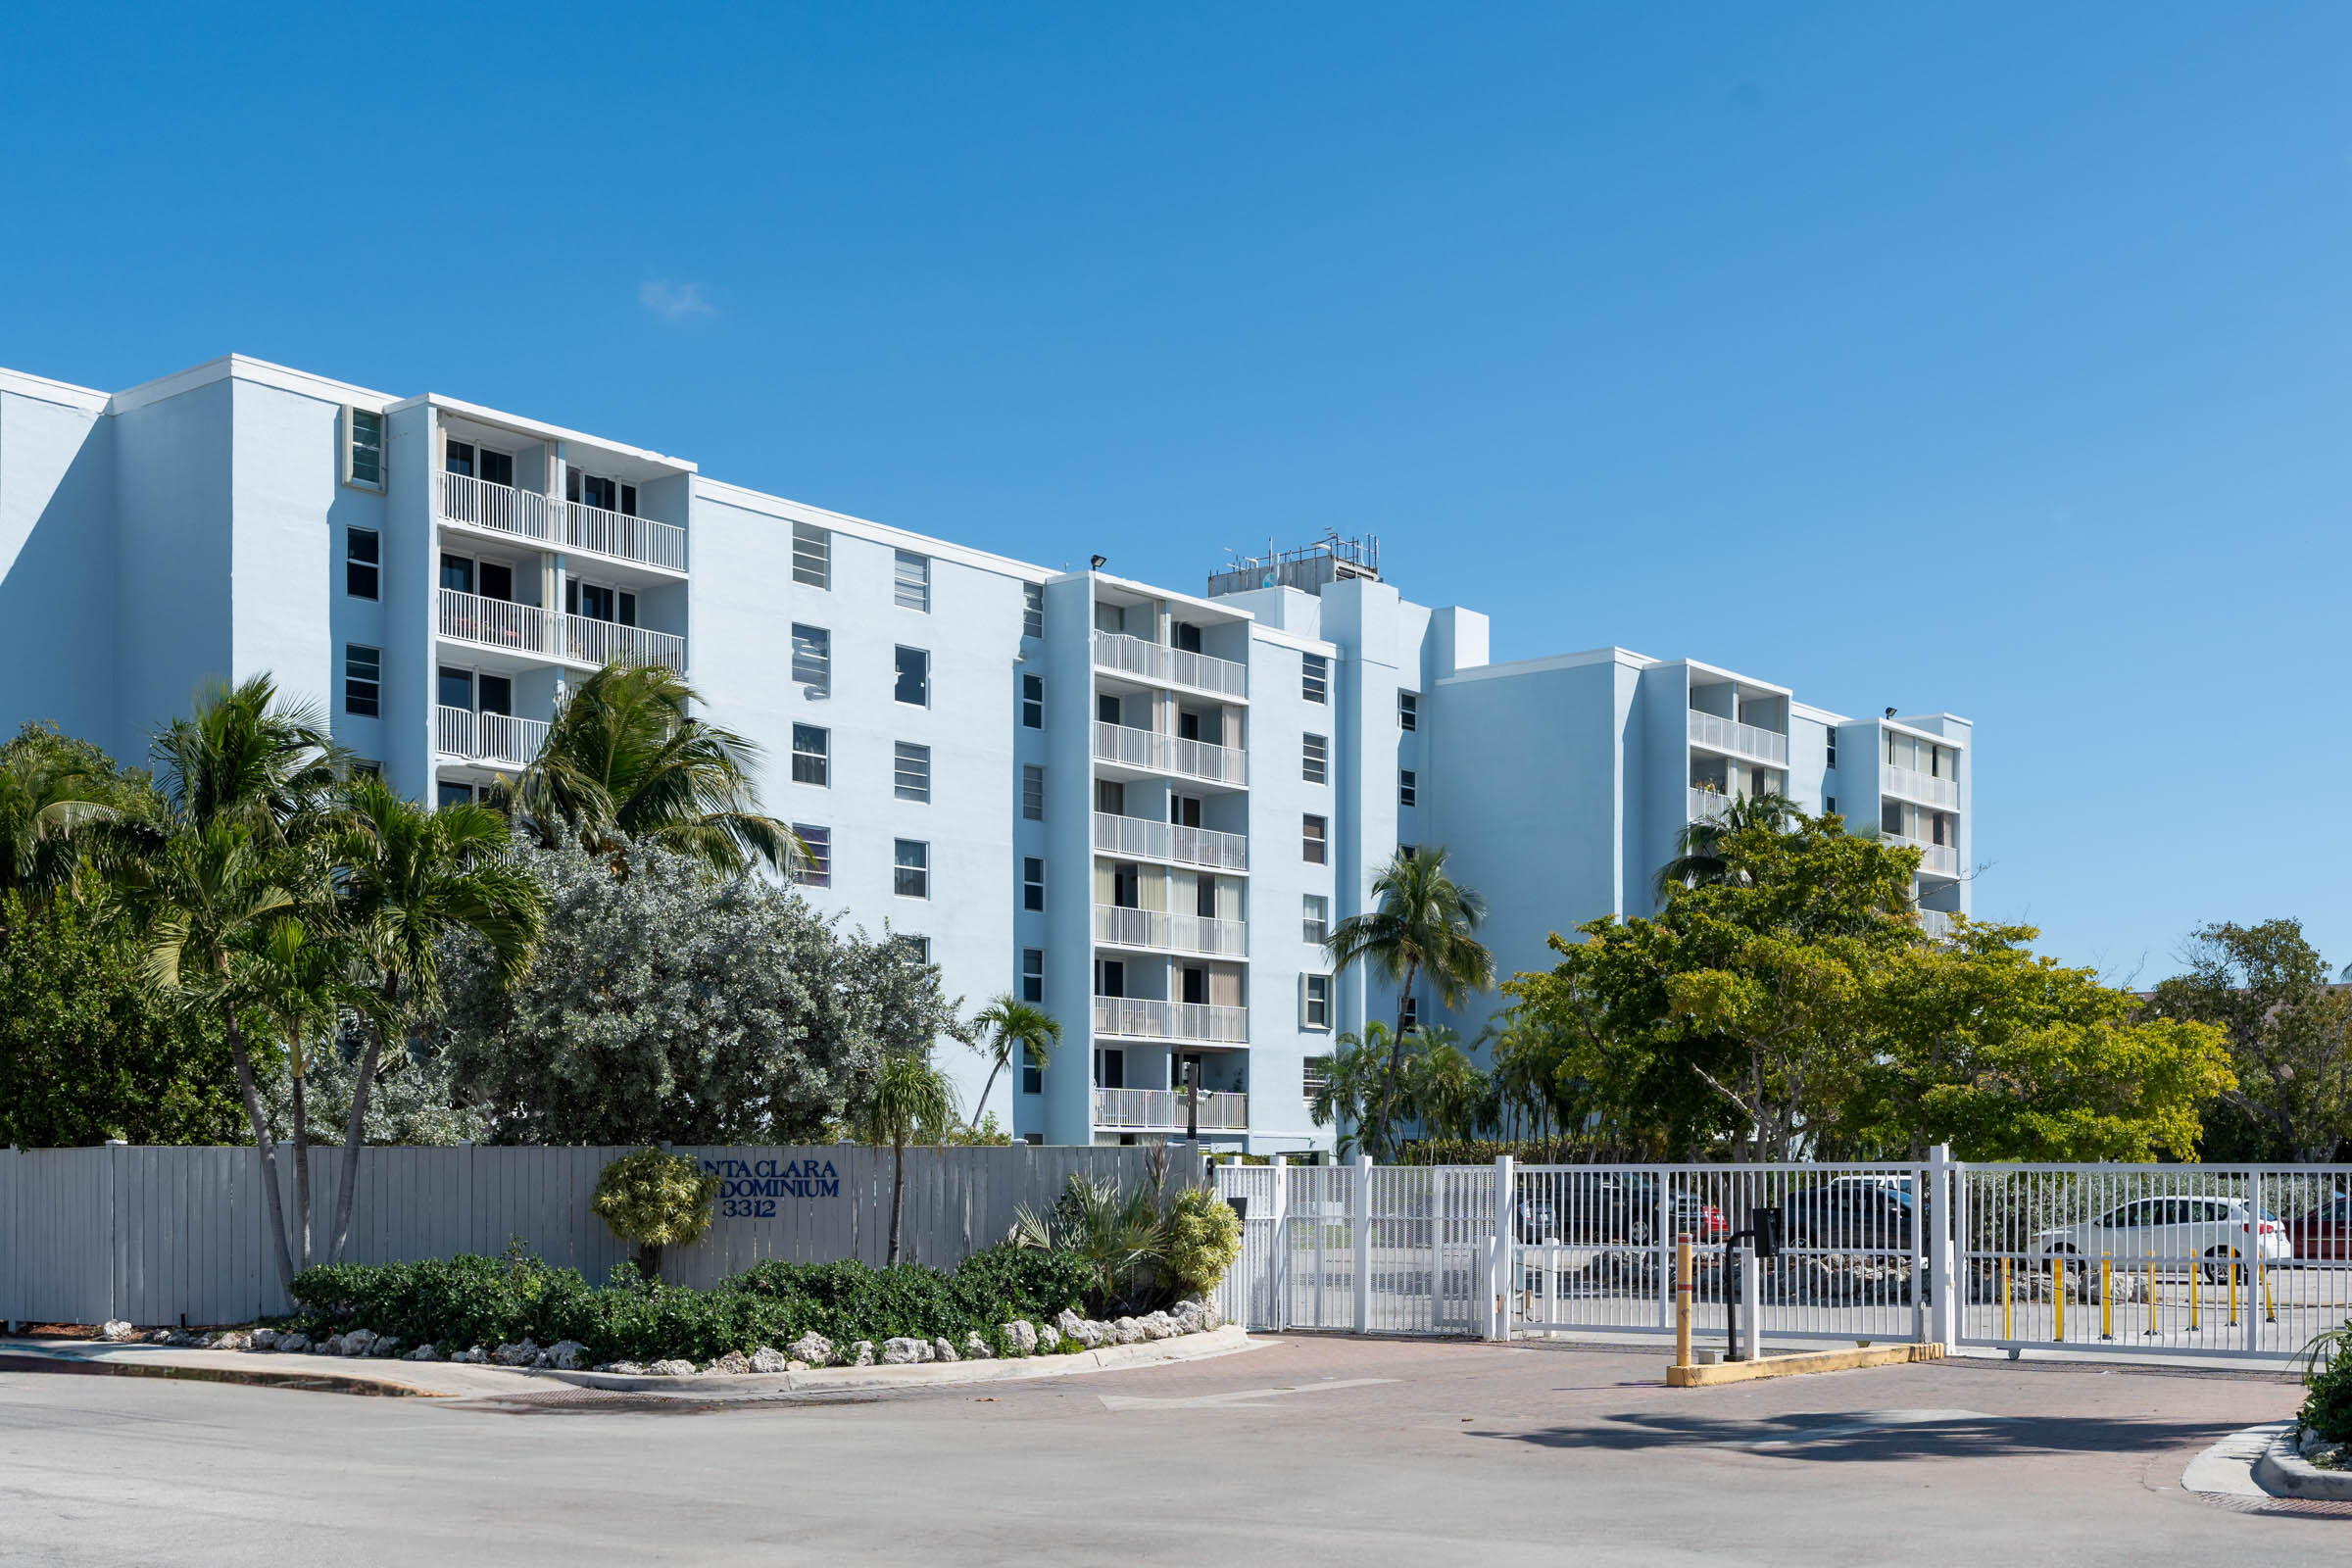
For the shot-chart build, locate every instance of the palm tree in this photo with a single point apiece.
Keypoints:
(1449, 1094)
(1699, 856)
(1420, 927)
(1351, 1087)
(625, 758)
(50, 789)
(907, 1098)
(1011, 1025)
(409, 879)
(249, 755)
(303, 982)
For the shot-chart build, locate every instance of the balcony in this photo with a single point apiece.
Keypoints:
(1159, 931)
(1910, 784)
(1935, 860)
(1163, 1111)
(530, 633)
(1734, 739)
(1144, 1018)
(1709, 806)
(1935, 924)
(1122, 655)
(529, 516)
(1148, 840)
(1149, 750)
(487, 737)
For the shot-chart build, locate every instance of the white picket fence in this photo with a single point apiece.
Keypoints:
(2101, 1259)
(162, 1236)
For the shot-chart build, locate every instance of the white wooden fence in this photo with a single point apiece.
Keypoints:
(164, 1236)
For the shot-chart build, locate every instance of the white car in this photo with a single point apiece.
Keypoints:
(2174, 1231)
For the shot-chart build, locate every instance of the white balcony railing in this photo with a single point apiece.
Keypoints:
(1719, 734)
(1709, 806)
(1150, 840)
(488, 737)
(1160, 931)
(1942, 859)
(1910, 784)
(1937, 924)
(1144, 1018)
(1132, 747)
(560, 524)
(1163, 1111)
(537, 633)
(1178, 667)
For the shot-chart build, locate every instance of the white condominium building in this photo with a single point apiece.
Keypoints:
(1140, 808)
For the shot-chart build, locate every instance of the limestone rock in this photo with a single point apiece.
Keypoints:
(1159, 1326)
(901, 1351)
(291, 1343)
(1126, 1330)
(943, 1351)
(524, 1355)
(812, 1347)
(567, 1356)
(796, 1366)
(1020, 1336)
(975, 1347)
(768, 1358)
(862, 1353)
(476, 1357)
(734, 1363)
(262, 1340)
(422, 1352)
(1085, 1331)
(118, 1332)
(629, 1369)
(230, 1340)
(1049, 1338)
(671, 1368)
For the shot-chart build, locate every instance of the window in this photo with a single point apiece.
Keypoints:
(1316, 1075)
(812, 555)
(1033, 793)
(1315, 917)
(1315, 763)
(1033, 609)
(1407, 787)
(363, 550)
(916, 948)
(1405, 852)
(364, 447)
(363, 679)
(1314, 837)
(812, 756)
(1408, 710)
(910, 581)
(1033, 882)
(1033, 702)
(1412, 1013)
(911, 772)
(1032, 974)
(448, 795)
(456, 687)
(366, 767)
(911, 860)
(1833, 749)
(1314, 1002)
(1829, 805)
(915, 677)
(1033, 1080)
(1314, 677)
(812, 660)
(817, 872)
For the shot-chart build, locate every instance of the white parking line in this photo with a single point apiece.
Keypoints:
(1240, 1398)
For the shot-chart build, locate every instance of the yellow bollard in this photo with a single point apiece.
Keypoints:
(1681, 1301)
(2152, 1296)
(2196, 1297)
(2231, 1265)
(2005, 1324)
(2106, 1298)
(2269, 1309)
(2058, 1294)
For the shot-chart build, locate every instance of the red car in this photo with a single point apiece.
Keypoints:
(2325, 1234)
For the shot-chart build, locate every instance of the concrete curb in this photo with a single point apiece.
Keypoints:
(319, 1381)
(2284, 1473)
(926, 1374)
(1785, 1366)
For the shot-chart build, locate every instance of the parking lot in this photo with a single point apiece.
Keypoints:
(1311, 1449)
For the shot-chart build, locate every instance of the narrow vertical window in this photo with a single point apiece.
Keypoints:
(812, 660)
(812, 555)
(1408, 710)
(910, 868)
(364, 447)
(1033, 793)
(812, 754)
(1315, 840)
(911, 772)
(1032, 974)
(1314, 917)
(1033, 702)
(1033, 609)
(1407, 790)
(910, 581)
(363, 680)
(363, 551)
(1315, 763)
(1314, 677)
(1314, 1011)
(1032, 883)
(1033, 1073)
(913, 686)
(817, 870)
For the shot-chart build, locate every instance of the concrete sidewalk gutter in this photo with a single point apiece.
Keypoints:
(2285, 1473)
(462, 1380)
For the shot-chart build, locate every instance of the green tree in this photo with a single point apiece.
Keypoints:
(1421, 926)
(626, 761)
(653, 1199)
(1008, 1026)
(51, 788)
(1700, 849)
(904, 1099)
(2289, 1036)
(1348, 1097)
(1446, 1092)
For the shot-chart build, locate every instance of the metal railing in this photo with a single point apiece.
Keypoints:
(1943, 859)
(537, 633)
(1163, 932)
(1144, 1018)
(1709, 806)
(487, 737)
(1925, 788)
(1178, 667)
(1147, 839)
(1164, 1110)
(1170, 754)
(560, 524)
(1936, 923)
(1718, 734)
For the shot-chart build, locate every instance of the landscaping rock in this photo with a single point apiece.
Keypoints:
(1020, 1336)
(384, 1348)
(1049, 1338)
(942, 1349)
(230, 1340)
(1160, 1326)
(812, 1347)
(118, 1332)
(862, 1353)
(768, 1358)
(567, 1356)
(422, 1352)
(525, 1354)
(476, 1357)
(1085, 1331)
(1126, 1330)
(901, 1351)
(673, 1368)
(734, 1363)
(262, 1340)
(291, 1343)
(627, 1369)
(975, 1347)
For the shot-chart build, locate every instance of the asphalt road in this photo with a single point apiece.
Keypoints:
(1309, 1452)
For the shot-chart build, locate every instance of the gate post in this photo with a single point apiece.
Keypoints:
(1362, 1205)
(1278, 1250)
(1937, 1212)
(2250, 1268)
(1502, 1234)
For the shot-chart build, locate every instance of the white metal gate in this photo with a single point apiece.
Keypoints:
(1387, 1250)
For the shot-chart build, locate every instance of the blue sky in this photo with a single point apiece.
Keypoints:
(1992, 360)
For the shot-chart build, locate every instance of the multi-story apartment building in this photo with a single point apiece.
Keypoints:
(1139, 808)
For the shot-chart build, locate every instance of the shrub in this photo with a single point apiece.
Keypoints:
(2327, 1396)
(1204, 1237)
(652, 1200)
